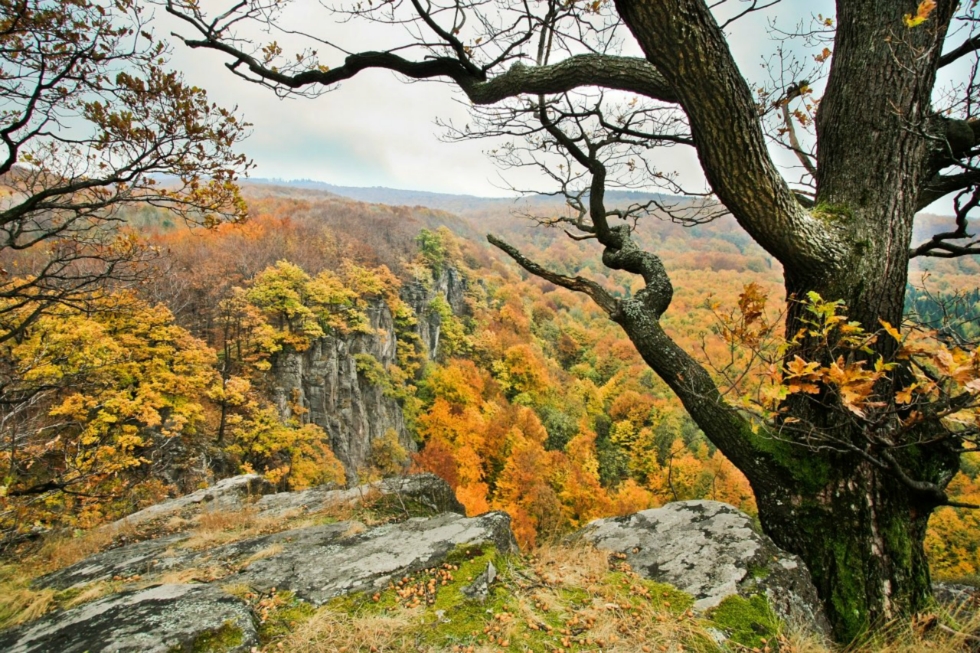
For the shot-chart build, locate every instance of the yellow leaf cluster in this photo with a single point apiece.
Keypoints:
(922, 12)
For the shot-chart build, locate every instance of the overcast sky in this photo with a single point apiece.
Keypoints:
(377, 131)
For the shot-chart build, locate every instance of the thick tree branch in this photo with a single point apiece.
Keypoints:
(604, 300)
(683, 41)
(939, 246)
(628, 74)
(939, 186)
(972, 44)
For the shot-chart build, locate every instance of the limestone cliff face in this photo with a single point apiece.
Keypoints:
(330, 390)
(450, 285)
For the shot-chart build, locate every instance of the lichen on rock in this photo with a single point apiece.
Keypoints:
(712, 551)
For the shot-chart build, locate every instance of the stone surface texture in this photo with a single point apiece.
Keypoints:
(166, 553)
(450, 285)
(227, 494)
(426, 489)
(320, 563)
(315, 562)
(711, 551)
(157, 619)
(325, 382)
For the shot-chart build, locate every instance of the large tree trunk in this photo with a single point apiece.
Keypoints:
(859, 528)
(857, 524)
(860, 532)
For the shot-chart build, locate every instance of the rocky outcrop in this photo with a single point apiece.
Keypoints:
(449, 285)
(331, 388)
(315, 563)
(325, 382)
(226, 494)
(711, 551)
(423, 494)
(430, 492)
(159, 619)
(322, 562)
(387, 542)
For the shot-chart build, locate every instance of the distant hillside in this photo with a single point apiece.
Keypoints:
(461, 204)
(505, 216)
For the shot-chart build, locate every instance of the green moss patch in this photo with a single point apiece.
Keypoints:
(635, 591)
(225, 638)
(523, 611)
(832, 212)
(395, 507)
(747, 621)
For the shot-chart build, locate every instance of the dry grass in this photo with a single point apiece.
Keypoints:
(214, 528)
(267, 552)
(91, 592)
(332, 632)
(567, 599)
(18, 602)
(560, 599)
(63, 551)
(571, 599)
(926, 633)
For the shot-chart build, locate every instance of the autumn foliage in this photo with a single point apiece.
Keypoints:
(536, 404)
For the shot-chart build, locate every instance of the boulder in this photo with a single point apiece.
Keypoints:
(712, 551)
(125, 561)
(423, 494)
(429, 492)
(957, 598)
(160, 619)
(227, 494)
(321, 562)
(315, 563)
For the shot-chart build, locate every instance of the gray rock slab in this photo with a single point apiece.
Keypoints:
(227, 494)
(957, 598)
(157, 619)
(426, 489)
(711, 551)
(165, 553)
(319, 564)
(140, 558)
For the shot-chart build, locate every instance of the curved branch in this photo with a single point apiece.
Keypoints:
(942, 185)
(939, 246)
(972, 44)
(604, 300)
(630, 74)
(725, 427)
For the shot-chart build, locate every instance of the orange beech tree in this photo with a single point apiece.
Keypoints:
(861, 431)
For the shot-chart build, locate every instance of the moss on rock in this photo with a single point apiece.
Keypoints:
(749, 621)
(225, 638)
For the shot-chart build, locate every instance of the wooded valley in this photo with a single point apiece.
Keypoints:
(533, 403)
